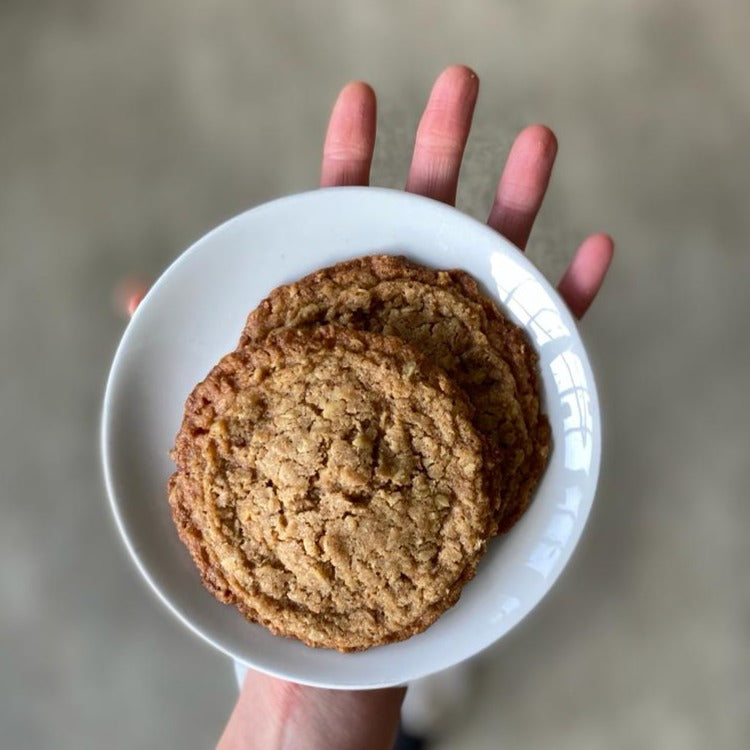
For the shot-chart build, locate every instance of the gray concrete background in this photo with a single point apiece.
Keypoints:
(127, 130)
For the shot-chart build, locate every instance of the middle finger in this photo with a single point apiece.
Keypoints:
(442, 134)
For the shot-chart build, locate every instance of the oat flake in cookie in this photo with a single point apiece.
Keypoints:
(330, 484)
(444, 315)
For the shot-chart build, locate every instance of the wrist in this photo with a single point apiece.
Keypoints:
(274, 715)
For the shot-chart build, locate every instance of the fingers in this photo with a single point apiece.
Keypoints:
(350, 140)
(523, 184)
(583, 279)
(442, 134)
(518, 199)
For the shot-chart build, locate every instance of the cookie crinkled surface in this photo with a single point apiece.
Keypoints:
(331, 484)
(446, 317)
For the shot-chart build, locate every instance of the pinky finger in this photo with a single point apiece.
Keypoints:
(584, 277)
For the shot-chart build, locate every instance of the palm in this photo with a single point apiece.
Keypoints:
(438, 150)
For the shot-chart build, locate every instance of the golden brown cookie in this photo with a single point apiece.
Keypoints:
(330, 484)
(445, 316)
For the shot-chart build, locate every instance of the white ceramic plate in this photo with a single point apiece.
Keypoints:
(193, 315)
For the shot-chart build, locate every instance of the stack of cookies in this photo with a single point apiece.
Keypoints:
(340, 473)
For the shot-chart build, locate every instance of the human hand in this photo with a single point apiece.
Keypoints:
(438, 150)
(273, 713)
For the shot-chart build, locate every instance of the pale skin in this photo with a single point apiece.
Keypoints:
(273, 714)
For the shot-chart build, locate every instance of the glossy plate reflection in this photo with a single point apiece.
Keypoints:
(526, 298)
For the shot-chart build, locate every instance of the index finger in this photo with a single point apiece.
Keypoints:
(350, 139)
